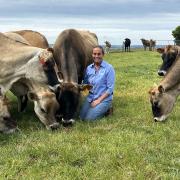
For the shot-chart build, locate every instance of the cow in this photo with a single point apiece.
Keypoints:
(163, 96)
(34, 68)
(7, 124)
(148, 43)
(168, 54)
(16, 37)
(107, 46)
(37, 40)
(72, 53)
(34, 38)
(127, 44)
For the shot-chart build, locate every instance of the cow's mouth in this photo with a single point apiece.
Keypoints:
(68, 122)
(160, 119)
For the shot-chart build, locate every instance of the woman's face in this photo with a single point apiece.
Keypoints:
(97, 55)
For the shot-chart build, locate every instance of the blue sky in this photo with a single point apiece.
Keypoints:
(112, 20)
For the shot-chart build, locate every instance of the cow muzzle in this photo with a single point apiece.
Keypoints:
(53, 126)
(160, 119)
(67, 122)
(161, 73)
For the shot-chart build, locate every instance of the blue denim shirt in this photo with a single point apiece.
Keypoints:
(102, 81)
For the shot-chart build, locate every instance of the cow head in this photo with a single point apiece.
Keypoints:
(162, 103)
(7, 124)
(45, 107)
(68, 96)
(168, 56)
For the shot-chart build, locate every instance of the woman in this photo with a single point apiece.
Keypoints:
(101, 76)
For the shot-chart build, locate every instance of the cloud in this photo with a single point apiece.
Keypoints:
(114, 20)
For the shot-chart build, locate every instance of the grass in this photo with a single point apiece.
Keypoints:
(127, 145)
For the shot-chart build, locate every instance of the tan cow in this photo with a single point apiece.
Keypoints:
(34, 38)
(42, 42)
(163, 96)
(148, 43)
(7, 124)
(34, 67)
(72, 53)
(107, 46)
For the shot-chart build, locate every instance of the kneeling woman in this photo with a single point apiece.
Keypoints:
(101, 76)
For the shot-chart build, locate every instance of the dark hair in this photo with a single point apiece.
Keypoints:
(100, 47)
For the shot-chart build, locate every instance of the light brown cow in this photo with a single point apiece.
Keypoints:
(72, 53)
(34, 38)
(7, 124)
(32, 66)
(163, 97)
(148, 43)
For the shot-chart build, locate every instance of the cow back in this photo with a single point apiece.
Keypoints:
(34, 38)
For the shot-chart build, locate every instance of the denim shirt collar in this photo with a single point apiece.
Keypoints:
(101, 65)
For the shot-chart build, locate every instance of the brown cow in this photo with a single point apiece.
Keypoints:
(163, 97)
(148, 43)
(7, 124)
(34, 68)
(169, 54)
(72, 53)
(34, 38)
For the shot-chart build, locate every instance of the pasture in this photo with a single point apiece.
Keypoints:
(127, 145)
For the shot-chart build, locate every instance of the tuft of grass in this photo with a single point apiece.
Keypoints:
(126, 145)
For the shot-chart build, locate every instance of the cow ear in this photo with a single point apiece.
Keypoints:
(55, 88)
(84, 87)
(160, 50)
(32, 96)
(161, 89)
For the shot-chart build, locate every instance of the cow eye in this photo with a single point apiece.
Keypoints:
(42, 110)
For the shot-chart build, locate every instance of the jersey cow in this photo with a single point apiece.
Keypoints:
(72, 53)
(34, 38)
(169, 54)
(7, 124)
(34, 68)
(31, 38)
(163, 97)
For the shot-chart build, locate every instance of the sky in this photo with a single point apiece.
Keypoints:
(112, 20)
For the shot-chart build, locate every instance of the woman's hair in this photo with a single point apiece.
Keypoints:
(100, 47)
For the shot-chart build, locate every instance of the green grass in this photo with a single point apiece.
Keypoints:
(127, 145)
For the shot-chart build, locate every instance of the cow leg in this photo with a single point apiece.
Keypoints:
(22, 103)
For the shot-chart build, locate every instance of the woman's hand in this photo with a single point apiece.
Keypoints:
(95, 103)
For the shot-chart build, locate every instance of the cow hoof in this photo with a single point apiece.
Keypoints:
(54, 126)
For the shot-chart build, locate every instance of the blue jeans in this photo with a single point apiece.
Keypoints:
(89, 113)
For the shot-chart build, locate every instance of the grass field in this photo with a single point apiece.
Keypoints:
(127, 145)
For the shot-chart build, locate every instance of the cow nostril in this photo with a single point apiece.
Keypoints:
(54, 126)
(155, 120)
(160, 73)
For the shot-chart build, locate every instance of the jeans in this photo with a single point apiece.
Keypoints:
(89, 113)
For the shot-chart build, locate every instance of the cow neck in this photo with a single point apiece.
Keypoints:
(172, 78)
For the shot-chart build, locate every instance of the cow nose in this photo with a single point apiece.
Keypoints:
(9, 122)
(155, 119)
(54, 126)
(68, 122)
(161, 73)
